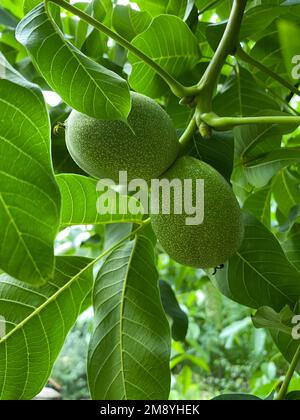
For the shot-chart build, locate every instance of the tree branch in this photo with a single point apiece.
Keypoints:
(226, 47)
(188, 134)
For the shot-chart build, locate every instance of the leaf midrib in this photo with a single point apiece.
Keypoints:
(265, 278)
(124, 289)
(44, 305)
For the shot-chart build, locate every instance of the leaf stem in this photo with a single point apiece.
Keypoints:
(226, 47)
(188, 134)
(228, 123)
(248, 59)
(177, 88)
(285, 386)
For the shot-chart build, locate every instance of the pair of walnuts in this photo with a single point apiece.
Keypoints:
(147, 147)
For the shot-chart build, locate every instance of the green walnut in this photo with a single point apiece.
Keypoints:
(145, 147)
(218, 237)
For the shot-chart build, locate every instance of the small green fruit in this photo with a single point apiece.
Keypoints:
(145, 148)
(213, 242)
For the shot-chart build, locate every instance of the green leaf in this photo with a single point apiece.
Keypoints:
(257, 19)
(37, 323)
(171, 306)
(61, 158)
(26, 68)
(213, 33)
(181, 115)
(177, 7)
(29, 196)
(82, 28)
(242, 96)
(266, 317)
(129, 22)
(201, 34)
(256, 140)
(293, 217)
(268, 52)
(8, 39)
(95, 44)
(185, 357)
(291, 2)
(293, 396)
(103, 10)
(262, 168)
(236, 397)
(28, 5)
(277, 159)
(204, 5)
(259, 274)
(81, 205)
(6, 19)
(82, 83)
(223, 8)
(286, 345)
(289, 34)
(255, 22)
(259, 204)
(160, 7)
(172, 45)
(130, 348)
(115, 233)
(217, 152)
(291, 247)
(286, 190)
(14, 6)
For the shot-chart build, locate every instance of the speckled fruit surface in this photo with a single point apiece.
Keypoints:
(213, 242)
(145, 148)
